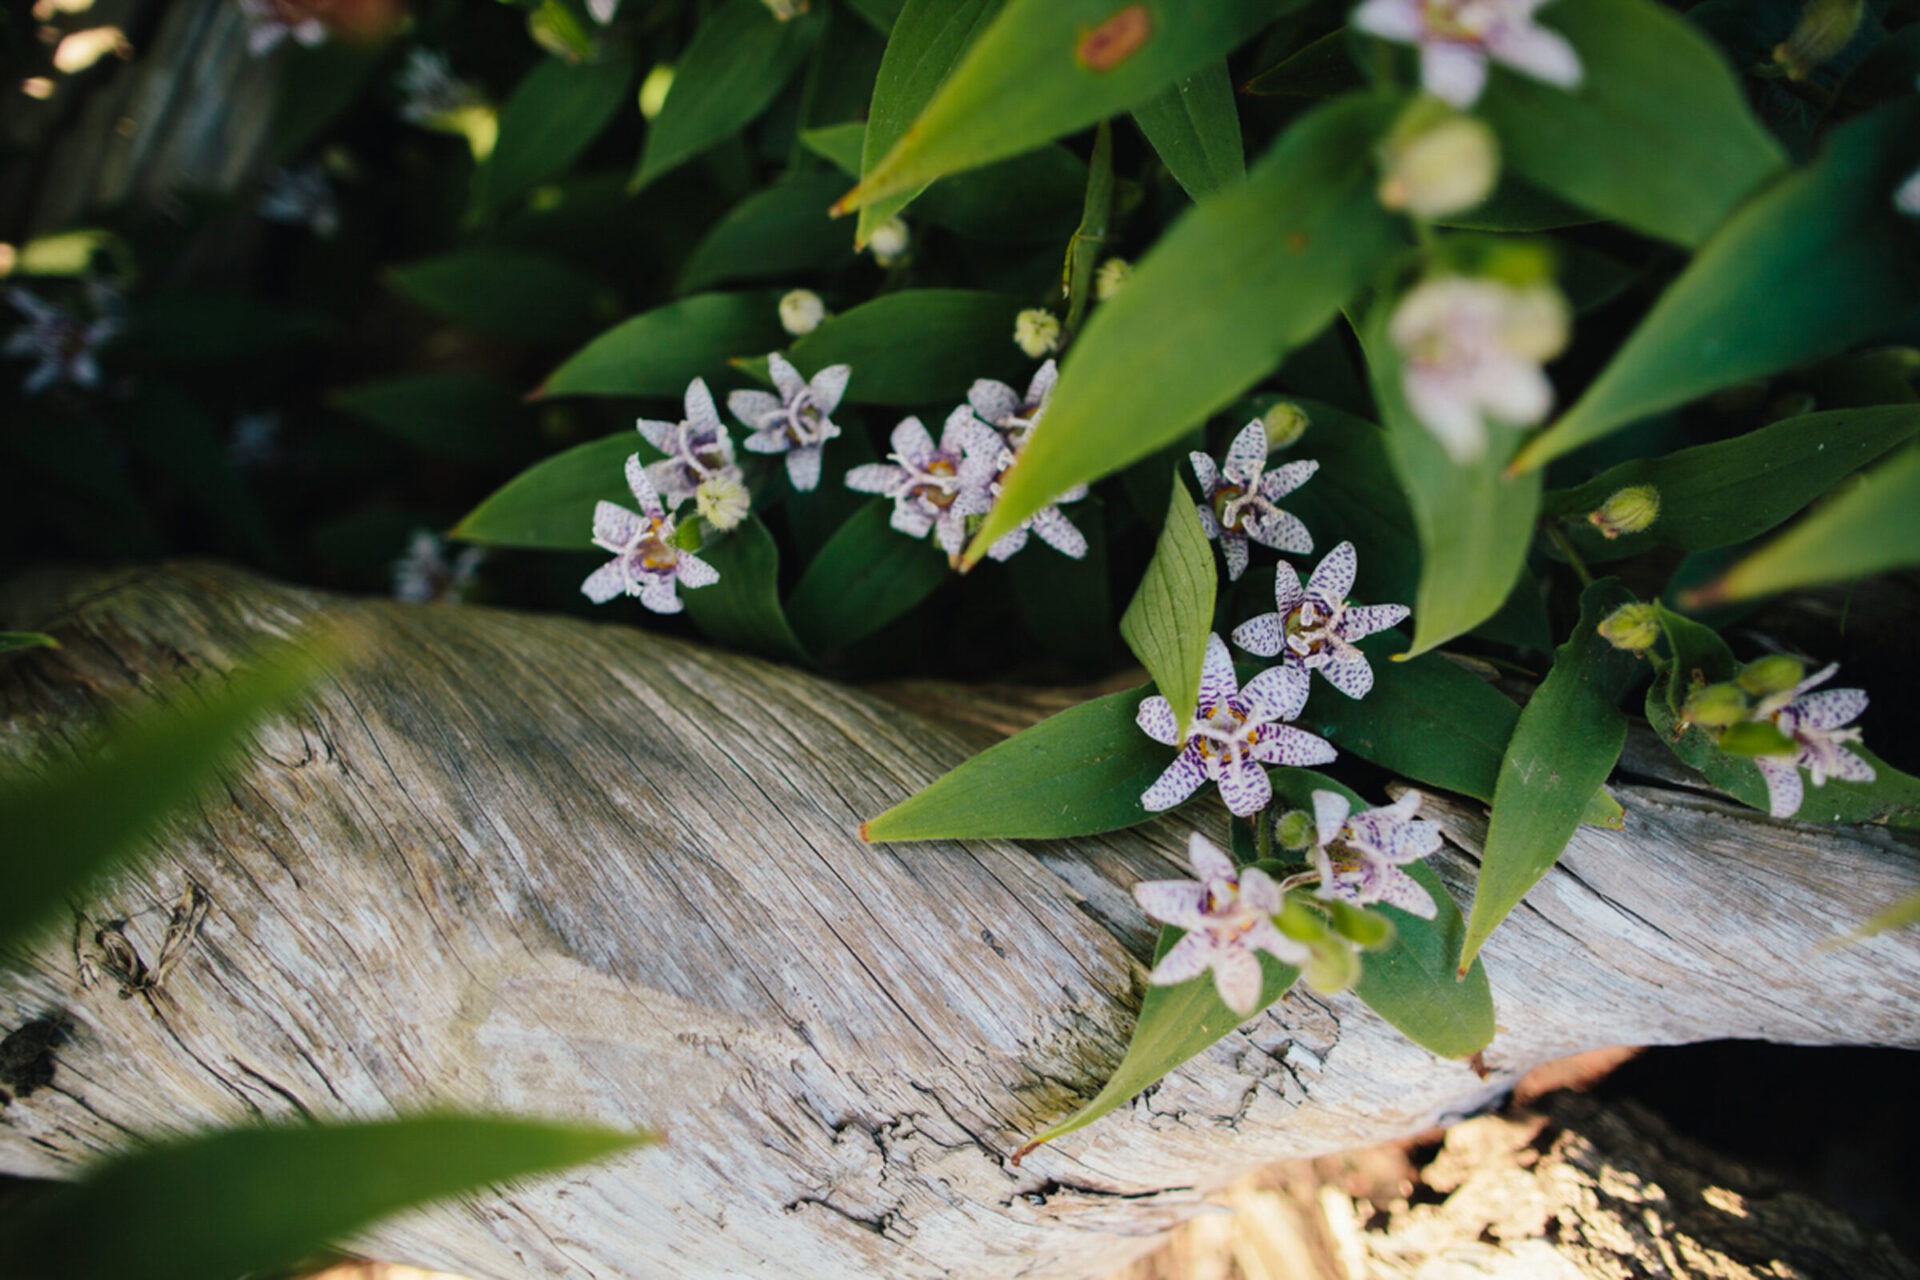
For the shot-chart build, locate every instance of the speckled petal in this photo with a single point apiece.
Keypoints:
(1300, 749)
(1283, 531)
(1278, 693)
(1233, 545)
(1246, 456)
(1849, 767)
(1370, 619)
(1208, 860)
(613, 525)
(754, 408)
(1245, 788)
(658, 434)
(1236, 976)
(1009, 545)
(1262, 636)
(786, 378)
(1784, 788)
(660, 593)
(694, 572)
(1192, 956)
(1059, 532)
(604, 583)
(1217, 679)
(829, 385)
(1398, 889)
(1332, 579)
(803, 468)
(995, 402)
(700, 410)
(1330, 810)
(1181, 779)
(1174, 902)
(643, 490)
(1205, 472)
(1156, 719)
(910, 517)
(1282, 481)
(1262, 936)
(1209, 523)
(1830, 709)
(875, 477)
(1258, 891)
(1353, 678)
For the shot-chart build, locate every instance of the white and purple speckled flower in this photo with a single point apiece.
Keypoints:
(698, 447)
(424, 574)
(798, 422)
(1238, 499)
(1014, 417)
(647, 562)
(935, 487)
(276, 20)
(1457, 39)
(1228, 915)
(63, 348)
(302, 197)
(1315, 627)
(1232, 735)
(1816, 723)
(1359, 855)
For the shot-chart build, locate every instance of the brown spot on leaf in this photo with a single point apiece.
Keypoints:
(1106, 46)
(1296, 242)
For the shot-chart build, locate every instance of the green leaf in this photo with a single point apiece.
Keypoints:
(658, 352)
(1426, 719)
(867, 575)
(1657, 135)
(14, 641)
(183, 326)
(1176, 1024)
(1064, 602)
(925, 45)
(1870, 527)
(1254, 271)
(552, 118)
(1046, 68)
(743, 608)
(73, 816)
(1715, 495)
(244, 1201)
(918, 346)
(549, 506)
(452, 414)
(1411, 983)
(779, 231)
(1077, 773)
(1171, 615)
(1033, 198)
(1084, 249)
(1354, 497)
(1194, 127)
(1799, 273)
(740, 58)
(1324, 68)
(516, 293)
(1475, 522)
(1567, 741)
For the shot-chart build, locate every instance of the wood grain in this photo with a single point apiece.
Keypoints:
(579, 870)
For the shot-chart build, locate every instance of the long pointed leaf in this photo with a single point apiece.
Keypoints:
(1171, 615)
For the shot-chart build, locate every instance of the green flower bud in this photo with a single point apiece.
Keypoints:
(1629, 511)
(1113, 273)
(1756, 738)
(1775, 673)
(1434, 167)
(1715, 706)
(1365, 928)
(1824, 29)
(1335, 966)
(1299, 921)
(1632, 627)
(787, 10)
(1284, 424)
(1294, 830)
(653, 90)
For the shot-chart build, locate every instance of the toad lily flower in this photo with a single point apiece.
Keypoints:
(1228, 916)
(302, 197)
(646, 561)
(275, 20)
(1315, 628)
(1472, 349)
(798, 422)
(697, 447)
(1001, 407)
(62, 348)
(1238, 497)
(1815, 722)
(1457, 38)
(935, 488)
(1359, 855)
(1233, 732)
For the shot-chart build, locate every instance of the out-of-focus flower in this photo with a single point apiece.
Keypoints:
(302, 197)
(798, 422)
(648, 561)
(1036, 332)
(890, 242)
(1825, 28)
(697, 447)
(801, 312)
(935, 487)
(1237, 499)
(1232, 733)
(1359, 855)
(1472, 349)
(1316, 627)
(1111, 278)
(1434, 168)
(1816, 724)
(273, 21)
(1228, 918)
(429, 90)
(1014, 417)
(1457, 38)
(63, 347)
(1907, 198)
(424, 575)
(255, 441)
(722, 500)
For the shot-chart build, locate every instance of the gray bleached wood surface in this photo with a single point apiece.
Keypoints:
(548, 866)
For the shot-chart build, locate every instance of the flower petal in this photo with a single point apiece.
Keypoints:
(1236, 976)
(1208, 860)
(1059, 532)
(1156, 719)
(1368, 619)
(1205, 472)
(876, 477)
(1190, 957)
(1398, 889)
(658, 434)
(1281, 530)
(754, 408)
(1262, 936)
(694, 572)
(1332, 580)
(1454, 73)
(1246, 456)
(700, 410)
(828, 386)
(1040, 390)
(995, 402)
(911, 518)
(1353, 678)
(1245, 788)
(1784, 788)
(1181, 779)
(1217, 680)
(643, 490)
(1391, 19)
(1298, 748)
(1174, 902)
(1258, 892)
(1282, 481)
(1262, 636)
(1233, 544)
(604, 583)
(803, 468)
(1330, 810)
(1209, 523)
(1278, 693)
(1009, 545)
(785, 377)
(659, 593)
(1536, 51)
(614, 527)
(1831, 708)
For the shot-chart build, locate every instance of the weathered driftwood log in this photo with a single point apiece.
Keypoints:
(535, 864)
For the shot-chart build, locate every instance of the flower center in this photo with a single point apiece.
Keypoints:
(1219, 727)
(804, 419)
(653, 545)
(1460, 20)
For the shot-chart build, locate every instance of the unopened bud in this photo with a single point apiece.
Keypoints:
(1334, 967)
(1632, 627)
(1294, 830)
(1715, 706)
(1629, 511)
(1299, 921)
(722, 501)
(1775, 673)
(1431, 169)
(1756, 738)
(801, 312)
(889, 242)
(1364, 928)
(653, 90)
(1824, 29)
(1036, 332)
(1284, 424)
(1113, 273)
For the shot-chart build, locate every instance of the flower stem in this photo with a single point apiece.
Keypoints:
(1558, 537)
(1299, 880)
(1262, 835)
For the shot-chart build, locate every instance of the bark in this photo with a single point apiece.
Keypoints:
(580, 870)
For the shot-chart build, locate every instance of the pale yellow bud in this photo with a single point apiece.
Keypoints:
(1444, 169)
(801, 312)
(1825, 28)
(889, 242)
(1536, 324)
(1284, 424)
(653, 90)
(1113, 273)
(1715, 705)
(1036, 332)
(1628, 511)
(1632, 627)
(722, 501)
